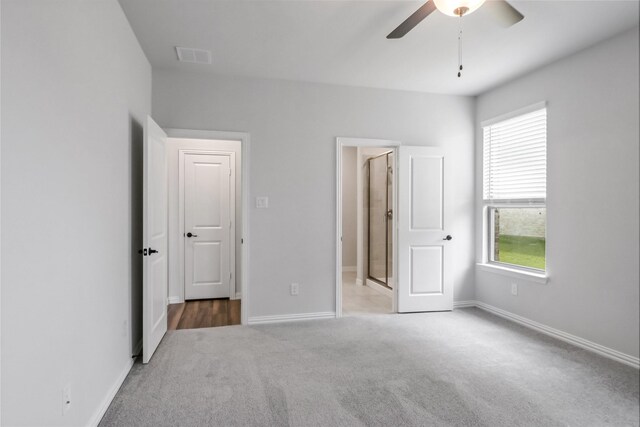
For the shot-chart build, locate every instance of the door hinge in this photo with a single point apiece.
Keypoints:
(230, 276)
(241, 241)
(229, 171)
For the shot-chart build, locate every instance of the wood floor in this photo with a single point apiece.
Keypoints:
(204, 313)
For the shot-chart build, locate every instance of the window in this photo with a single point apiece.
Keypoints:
(515, 190)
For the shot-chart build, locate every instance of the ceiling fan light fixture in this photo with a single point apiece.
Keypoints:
(458, 7)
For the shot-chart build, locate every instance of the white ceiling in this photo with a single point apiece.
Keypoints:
(343, 42)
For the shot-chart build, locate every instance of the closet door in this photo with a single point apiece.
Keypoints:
(207, 224)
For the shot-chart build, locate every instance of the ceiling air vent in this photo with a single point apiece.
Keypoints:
(195, 56)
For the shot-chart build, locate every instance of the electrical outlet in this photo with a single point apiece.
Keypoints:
(514, 289)
(295, 288)
(66, 399)
(262, 202)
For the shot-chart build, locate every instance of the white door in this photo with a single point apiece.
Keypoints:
(207, 226)
(424, 247)
(154, 272)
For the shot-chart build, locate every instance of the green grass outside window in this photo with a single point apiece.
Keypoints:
(522, 250)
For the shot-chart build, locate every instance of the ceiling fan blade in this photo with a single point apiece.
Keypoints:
(413, 20)
(506, 14)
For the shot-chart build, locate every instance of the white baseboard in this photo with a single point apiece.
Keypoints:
(464, 304)
(561, 335)
(359, 282)
(237, 296)
(349, 269)
(379, 288)
(290, 317)
(97, 417)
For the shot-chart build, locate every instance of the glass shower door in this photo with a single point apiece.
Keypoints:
(380, 202)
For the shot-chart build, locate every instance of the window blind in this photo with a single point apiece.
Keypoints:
(515, 158)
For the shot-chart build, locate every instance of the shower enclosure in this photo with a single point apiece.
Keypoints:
(380, 202)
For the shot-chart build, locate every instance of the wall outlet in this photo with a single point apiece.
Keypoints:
(66, 399)
(262, 202)
(514, 289)
(295, 288)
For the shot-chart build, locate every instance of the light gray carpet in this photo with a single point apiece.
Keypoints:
(463, 368)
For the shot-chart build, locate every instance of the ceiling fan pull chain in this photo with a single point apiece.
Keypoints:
(460, 49)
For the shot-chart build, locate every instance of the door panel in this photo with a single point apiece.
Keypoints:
(154, 272)
(426, 270)
(158, 268)
(426, 193)
(206, 263)
(424, 256)
(207, 202)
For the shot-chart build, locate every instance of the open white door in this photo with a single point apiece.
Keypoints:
(424, 251)
(154, 271)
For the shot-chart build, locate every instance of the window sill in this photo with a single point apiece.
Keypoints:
(514, 272)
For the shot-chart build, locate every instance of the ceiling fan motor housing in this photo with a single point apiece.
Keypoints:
(458, 7)
(461, 10)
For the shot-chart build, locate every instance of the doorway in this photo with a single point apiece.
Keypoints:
(164, 229)
(205, 231)
(421, 260)
(366, 223)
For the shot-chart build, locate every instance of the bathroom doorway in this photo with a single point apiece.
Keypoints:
(407, 244)
(365, 282)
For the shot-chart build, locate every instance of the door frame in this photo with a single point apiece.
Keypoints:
(244, 138)
(342, 142)
(232, 214)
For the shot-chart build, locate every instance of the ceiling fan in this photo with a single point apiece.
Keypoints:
(503, 11)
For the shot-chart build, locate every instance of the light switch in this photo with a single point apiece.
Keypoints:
(262, 202)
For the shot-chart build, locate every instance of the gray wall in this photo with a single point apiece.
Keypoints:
(592, 195)
(76, 88)
(293, 127)
(349, 205)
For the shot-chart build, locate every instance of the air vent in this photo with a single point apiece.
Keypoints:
(195, 56)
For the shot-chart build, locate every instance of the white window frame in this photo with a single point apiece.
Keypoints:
(488, 264)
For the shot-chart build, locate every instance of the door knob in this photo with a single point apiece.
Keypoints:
(190, 234)
(448, 237)
(152, 251)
